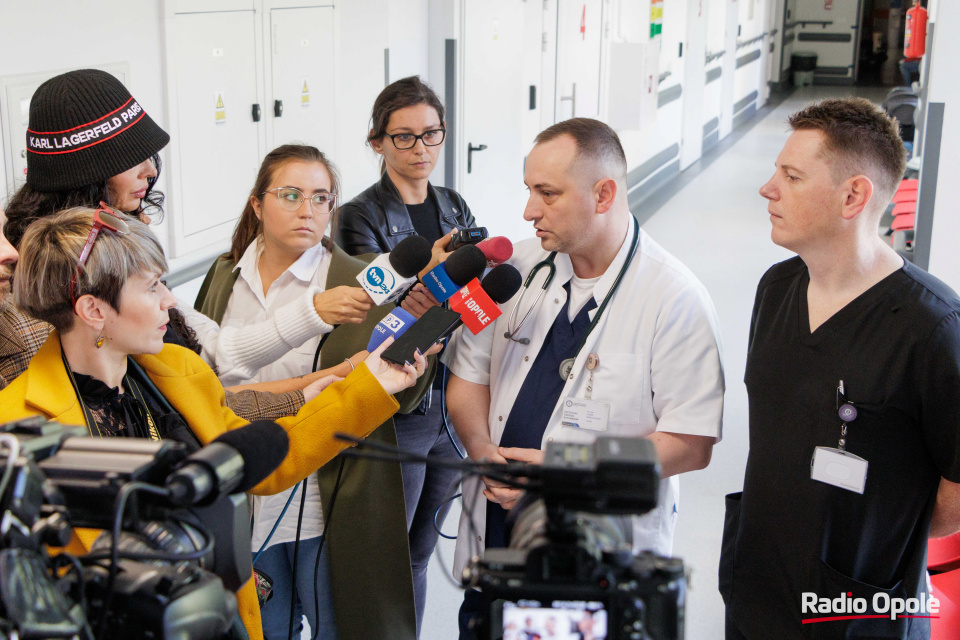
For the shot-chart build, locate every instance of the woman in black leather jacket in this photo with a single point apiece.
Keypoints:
(408, 132)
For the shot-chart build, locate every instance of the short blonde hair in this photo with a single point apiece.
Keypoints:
(48, 259)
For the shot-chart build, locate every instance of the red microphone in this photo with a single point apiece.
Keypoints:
(478, 302)
(496, 250)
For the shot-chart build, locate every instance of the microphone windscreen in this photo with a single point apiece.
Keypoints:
(263, 445)
(465, 264)
(502, 282)
(411, 256)
(497, 250)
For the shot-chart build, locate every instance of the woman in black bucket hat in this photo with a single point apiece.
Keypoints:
(90, 141)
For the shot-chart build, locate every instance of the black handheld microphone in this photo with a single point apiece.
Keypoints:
(437, 323)
(235, 462)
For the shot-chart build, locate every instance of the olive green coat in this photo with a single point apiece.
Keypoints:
(367, 533)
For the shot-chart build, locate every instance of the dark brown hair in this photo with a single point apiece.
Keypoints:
(28, 204)
(406, 92)
(595, 141)
(859, 139)
(249, 227)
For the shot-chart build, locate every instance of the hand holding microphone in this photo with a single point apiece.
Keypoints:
(474, 305)
(342, 305)
(390, 275)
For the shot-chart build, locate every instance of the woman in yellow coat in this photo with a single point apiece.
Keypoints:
(94, 275)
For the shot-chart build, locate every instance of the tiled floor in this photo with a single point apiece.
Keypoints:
(717, 225)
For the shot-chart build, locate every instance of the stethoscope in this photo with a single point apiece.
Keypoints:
(548, 263)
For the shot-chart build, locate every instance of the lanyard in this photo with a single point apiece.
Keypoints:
(566, 367)
(93, 425)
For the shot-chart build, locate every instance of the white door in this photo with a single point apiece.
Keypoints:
(301, 106)
(694, 75)
(579, 41)
(749, 56)
(715, 11)
(668, 132)
(492, 148)
(835, 43)
(217, 150)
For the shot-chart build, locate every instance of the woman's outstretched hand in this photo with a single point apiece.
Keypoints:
(394, 378)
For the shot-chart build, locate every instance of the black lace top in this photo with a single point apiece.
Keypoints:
(139, 412)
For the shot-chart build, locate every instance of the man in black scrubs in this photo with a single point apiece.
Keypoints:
(853, 377)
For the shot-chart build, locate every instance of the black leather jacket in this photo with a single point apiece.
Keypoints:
(377, 219)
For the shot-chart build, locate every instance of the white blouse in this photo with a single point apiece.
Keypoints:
(290, 331)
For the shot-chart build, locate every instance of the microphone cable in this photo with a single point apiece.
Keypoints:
(296, 553)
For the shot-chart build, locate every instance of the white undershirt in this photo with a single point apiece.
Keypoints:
(248, 305)
(581, 290)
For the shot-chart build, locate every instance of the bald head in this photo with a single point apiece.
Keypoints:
(599, 152)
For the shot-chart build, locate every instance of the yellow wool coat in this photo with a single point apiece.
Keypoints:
(194, 391)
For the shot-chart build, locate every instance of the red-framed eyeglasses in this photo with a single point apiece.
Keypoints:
(103, 218)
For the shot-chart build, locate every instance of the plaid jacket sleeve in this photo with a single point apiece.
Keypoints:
(263, 405)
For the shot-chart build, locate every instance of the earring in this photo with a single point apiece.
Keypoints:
(100, 340)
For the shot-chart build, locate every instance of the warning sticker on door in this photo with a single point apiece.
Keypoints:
(219, 111)
(304, 94)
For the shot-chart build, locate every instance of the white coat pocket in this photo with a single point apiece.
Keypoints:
(619, 380)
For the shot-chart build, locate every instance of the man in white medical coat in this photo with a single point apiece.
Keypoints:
(624, 341)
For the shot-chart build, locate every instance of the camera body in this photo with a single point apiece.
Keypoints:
(473, 235)
(570, 564)
(58, 480)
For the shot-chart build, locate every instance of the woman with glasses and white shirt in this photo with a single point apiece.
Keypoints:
(284, 276)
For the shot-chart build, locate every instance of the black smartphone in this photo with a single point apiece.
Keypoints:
(467, 236)
(432, 327)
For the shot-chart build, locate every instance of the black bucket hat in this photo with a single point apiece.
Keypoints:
(85, 127)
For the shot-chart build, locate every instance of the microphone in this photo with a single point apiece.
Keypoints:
(395, 324)
(477, 303)
(496, 250)
(235, 462)
(463, 265)
(390, 275)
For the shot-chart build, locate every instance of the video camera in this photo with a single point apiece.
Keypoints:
(569, 565)
(176, 540)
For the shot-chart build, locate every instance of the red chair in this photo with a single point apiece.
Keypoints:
(903, 222)
(908, 185)
(943, 554)
(905, 196)
(902, 208)
(946, 588)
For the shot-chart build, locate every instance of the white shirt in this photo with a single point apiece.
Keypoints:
(249, 307)
(660, 367)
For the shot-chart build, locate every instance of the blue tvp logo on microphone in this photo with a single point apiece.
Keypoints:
(380, 280)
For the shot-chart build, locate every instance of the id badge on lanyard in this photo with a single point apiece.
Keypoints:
(586, 413)
(839, 467)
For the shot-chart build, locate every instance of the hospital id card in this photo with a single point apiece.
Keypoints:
(583, 413)
(839, 468)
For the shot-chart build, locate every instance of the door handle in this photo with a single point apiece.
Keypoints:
(255, 112)
(470, 150)
(573, 101)
(277, 108)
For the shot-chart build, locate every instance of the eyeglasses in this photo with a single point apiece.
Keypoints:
(291, 199)
(404, 141)
(103, 218)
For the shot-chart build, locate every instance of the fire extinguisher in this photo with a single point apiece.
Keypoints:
(916, 35)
